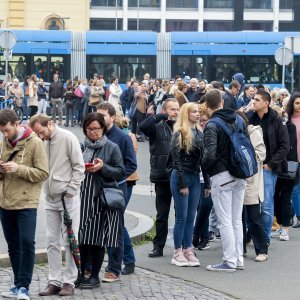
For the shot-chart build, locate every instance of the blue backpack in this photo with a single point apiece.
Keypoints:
(242, 159)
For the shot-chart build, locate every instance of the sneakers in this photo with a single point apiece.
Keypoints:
(189, 254)
(284, 236)
(211, 236)
(179, 259)
(203, 245)
(12, 293)
(110, 277)
(222, 267)
(240, 267)
(261, 257)
(23, 294)
(276, 233)
(195, 241)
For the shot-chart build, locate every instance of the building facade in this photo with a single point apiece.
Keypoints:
(53, 15)
(194, 15)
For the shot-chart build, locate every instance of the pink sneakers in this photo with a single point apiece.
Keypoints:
(179, 259)
(185, 258)
(191, 257)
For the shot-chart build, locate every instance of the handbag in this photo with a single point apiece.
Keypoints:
(112, 198)
(78, 93)
(94, 100)
(291, 172)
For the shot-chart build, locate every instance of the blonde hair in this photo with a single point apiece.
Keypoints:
(182, 125)
(204, 111)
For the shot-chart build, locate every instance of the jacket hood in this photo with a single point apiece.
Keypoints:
(252, 128)
(239, 77)
(226, 114)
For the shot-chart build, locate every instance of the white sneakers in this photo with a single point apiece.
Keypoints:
(185, 258)
(261, 257)
(284, 235)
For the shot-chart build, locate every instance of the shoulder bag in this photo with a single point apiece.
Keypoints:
(291, 172)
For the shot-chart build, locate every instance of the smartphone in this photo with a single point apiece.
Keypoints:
(88, 165)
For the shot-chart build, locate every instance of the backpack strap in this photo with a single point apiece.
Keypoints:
(228, 131)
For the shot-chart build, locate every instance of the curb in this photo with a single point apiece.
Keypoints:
(138, 233)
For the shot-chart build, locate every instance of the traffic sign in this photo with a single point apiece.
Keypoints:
(7, 39)
(284, 56)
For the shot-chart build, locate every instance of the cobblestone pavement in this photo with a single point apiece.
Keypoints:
(143, 284)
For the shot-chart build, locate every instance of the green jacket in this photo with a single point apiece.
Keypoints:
(22, 189)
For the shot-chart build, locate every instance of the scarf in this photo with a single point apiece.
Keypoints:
(91, 146)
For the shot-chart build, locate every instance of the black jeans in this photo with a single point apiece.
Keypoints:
(95, 255)
(162, 202)
(256, 228)
(33, 110)
(137, 120)
(19, 232)
(283, 201)
(202, 218)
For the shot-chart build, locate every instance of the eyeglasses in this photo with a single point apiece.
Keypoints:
(284, 95)
(93, 130)
(204, 121)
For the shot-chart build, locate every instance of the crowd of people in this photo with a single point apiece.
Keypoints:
(191, 129)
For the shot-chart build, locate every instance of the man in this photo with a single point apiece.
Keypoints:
(227, 191)
(2, 89)
(124, 98)
(23, 168)
(125, 251)
(56, 93)
(240, 78)
(65, 176)
(159, 129)
(230, 95)
(193, 89)
(277, 144)
(201, 91)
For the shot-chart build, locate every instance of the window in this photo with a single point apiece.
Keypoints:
(262, 69)
(254, 4)
(218, 3)
(18, 67)
(263, 26)
(122, 67)
(106, 24)
(144, 3)
(218, 26)
(152, 25)
(107, 3)
(57, 67)
(181, 25)
(285, 26)
(286, 4)
(182, 4)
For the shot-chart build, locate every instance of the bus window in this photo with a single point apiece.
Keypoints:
(40, 66)
(57, 67)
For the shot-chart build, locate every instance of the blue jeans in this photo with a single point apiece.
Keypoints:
(19, 232)
(203, 212)
(124, 252)
(185, 207)
(270, 179)
(25, 106)
(296, 199)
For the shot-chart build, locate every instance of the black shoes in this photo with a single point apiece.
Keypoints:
(195, 241)
(156, 252)
(128, 269)
(203, 245)
(91, 283)
(79, 280)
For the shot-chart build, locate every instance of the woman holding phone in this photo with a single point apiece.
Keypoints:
(99, 227)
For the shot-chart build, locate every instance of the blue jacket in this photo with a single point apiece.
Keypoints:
(124, 142)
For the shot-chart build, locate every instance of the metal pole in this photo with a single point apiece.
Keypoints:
(292, 73)
(138, 16)
(6, 53)
(116, 15)
(283, 67)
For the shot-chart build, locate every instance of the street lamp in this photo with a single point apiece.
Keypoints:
(138, 15)
(63, 21)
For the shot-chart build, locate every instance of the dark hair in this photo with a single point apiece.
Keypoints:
(290, 105)
(25, 80)
(113, 79)
(235, 84)
(107, 106)
(91, 117)
(218, 85)
(265, 95)
(213, 99)
(1, 81)
(8, 116)
(244, 117)
(259, 86)
(247, 87)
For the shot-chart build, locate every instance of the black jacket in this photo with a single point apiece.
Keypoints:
(292, 155)
(229, 101)
(216, 143)
(184, 162)
(278, 138)
(159, 130)
(56, 90)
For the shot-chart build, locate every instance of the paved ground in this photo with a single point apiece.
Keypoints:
(143, 284)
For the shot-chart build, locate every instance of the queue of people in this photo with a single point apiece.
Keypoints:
(191, 161)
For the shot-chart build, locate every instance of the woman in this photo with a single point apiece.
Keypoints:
(293, 112)
(186, 152)
(115, 92)
(33, 98)
(282, 93)
(26, 96)
(97, 93)
(70, 100)
(99, 227)
(254, 195)
(180, 94)
(42, 96)
(205, 201)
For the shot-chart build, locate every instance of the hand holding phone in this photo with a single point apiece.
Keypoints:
(88, 166)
